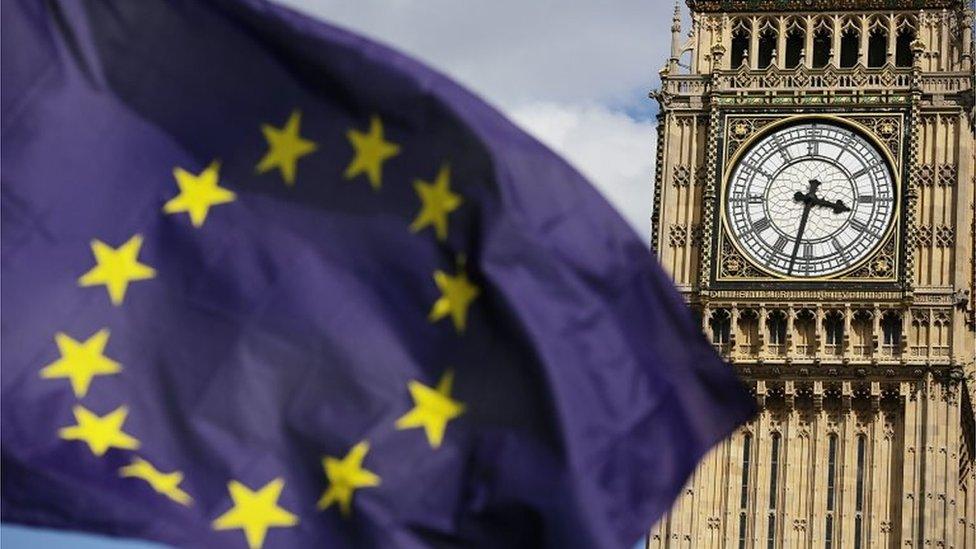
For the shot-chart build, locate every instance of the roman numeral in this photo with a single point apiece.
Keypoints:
(755, 199)
(808, 250)
(837, 245)
(813, 148)
(859, 173)
(780, 243)
(865, 199)
(761, 225)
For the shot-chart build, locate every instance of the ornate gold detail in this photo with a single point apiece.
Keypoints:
(944, 236)
(697, 235)
(677, 235)
(947, 175)
(741, 130)
(817, 5)
(681, 176)
(887, 129)
(923, 236)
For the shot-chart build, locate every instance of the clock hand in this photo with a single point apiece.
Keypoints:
(808, 202)
(838, 206)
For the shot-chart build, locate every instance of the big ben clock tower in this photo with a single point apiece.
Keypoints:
(814, 202)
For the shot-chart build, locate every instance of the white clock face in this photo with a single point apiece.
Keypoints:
(810, 200)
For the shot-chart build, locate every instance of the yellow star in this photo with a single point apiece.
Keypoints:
(285, 147)
(457, 293)
(345, 476)
(437, 201)
(198, 193)
(100, 433)
(167, 484)
(433, 408)
(116, 268)
(371, 150)
(255, 512)
(80, 362)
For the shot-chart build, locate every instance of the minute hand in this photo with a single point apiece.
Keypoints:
(807, 204)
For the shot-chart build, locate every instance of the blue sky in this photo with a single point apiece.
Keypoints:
(574, 74)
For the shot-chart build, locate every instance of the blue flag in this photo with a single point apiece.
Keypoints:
(268, 283)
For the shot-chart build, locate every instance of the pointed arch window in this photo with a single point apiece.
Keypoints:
(773, 490)
(721, 324)
(823, 38)
(903, 47)
(740, 44)
(831, 491)
(795, 39)
(859, 493)
(877, 47)
(849, 47)
(744, 493)
(767, 47)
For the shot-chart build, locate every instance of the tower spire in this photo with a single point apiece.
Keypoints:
(675, 37)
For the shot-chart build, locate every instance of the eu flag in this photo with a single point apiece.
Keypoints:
(268, 283)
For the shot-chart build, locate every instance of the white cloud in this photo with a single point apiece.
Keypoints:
(514, 51)
(568, 72)
(614, 151)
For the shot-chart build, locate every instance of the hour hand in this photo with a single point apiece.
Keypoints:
(838, 206)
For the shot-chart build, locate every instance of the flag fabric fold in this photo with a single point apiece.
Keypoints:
(269, 283)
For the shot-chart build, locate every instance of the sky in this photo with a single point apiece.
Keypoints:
(574, 74)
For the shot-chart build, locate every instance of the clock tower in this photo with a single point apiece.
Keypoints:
(814, 202)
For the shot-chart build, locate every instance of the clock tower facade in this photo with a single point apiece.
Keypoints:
(814, 202)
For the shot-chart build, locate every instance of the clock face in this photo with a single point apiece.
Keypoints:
(810, 200)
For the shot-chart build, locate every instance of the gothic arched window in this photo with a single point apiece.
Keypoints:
(795, 39)
(831, 490)
(822, 44)
(721, 324)
(834, 331)
(773, 489)
(744, 494)
(767, 47)
(890, 332)
(877, 47)
(740, 44)
(849, 47)
(903, 47)
(859, 493)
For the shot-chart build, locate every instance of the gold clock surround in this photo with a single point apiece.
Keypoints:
(728, 248)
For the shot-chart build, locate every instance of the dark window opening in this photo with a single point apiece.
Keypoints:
(721, 323)
(767, 48)
(891, 329)
(777, 328)
(746, 450)
(859, 492)
(903, 48)
(773, 470)
(831, 490)
(831, 471)
(829, 533)
(822, 48)
(849, 48)
(834, 328)
(742, 531)
(740, 48)
(794, 48)
(877, 48)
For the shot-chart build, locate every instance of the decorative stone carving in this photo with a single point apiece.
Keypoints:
(923, 236)
(681, 176)
(677, 235)
(948, 175)
(944, 236)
